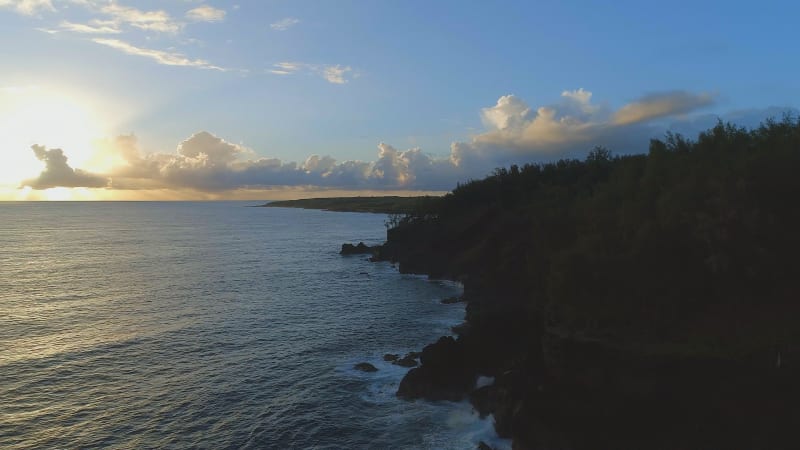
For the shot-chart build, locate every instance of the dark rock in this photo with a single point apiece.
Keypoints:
(451, 300)
(406, 362)
(444, 374)
(484, 446)
(413, 355)
(445, 352)
(360, 249)
(460, 328)
(481, 400)
(365, 367)
(390, 357)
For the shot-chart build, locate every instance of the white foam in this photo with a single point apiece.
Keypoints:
(465, 429)
(483, 381)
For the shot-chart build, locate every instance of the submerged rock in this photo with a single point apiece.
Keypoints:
(391, 357)
(365, 367)
(451, 300)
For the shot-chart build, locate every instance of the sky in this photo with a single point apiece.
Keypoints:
(268, 99)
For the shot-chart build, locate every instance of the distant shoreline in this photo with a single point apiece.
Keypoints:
(378, 205)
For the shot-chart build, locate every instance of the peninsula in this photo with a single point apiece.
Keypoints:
(384, 205)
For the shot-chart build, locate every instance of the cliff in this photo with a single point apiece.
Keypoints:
(646, 301)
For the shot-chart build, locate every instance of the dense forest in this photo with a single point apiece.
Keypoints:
(580, 274)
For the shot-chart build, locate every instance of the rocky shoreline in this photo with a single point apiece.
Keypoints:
(546, 389)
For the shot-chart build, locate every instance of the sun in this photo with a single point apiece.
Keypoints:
(33, 115)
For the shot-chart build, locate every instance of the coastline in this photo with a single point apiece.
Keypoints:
(638, 302)
(554, 388)
(457, 414)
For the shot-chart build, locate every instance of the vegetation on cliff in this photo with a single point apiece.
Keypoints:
(666, 246)
(583, 278)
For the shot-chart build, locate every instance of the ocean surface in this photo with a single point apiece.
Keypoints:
(211, 325)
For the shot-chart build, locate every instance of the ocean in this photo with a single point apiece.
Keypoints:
(212, 325)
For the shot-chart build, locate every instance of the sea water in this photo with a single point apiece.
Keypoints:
(212, 325)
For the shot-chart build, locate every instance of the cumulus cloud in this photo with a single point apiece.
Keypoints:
(207, 163)
(569, 128)
(515, 133)
(57, 173)
(159, 56)
(28, 7)
(284, 24)
(205, 13)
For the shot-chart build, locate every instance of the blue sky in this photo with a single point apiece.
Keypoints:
(458, 84)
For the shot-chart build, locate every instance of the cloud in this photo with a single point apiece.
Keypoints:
(514, 133)
(158, 20)
(661, 105)
(335, 74)
(284, 24)
(205, 13)
(28, 7)
(159, 56)
(286, 68)
(88, 29)
(57, 173)
(517, 133)
(207, 163)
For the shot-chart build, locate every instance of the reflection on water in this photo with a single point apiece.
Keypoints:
(138, 325)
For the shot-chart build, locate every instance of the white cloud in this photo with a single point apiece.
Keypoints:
(28, 7)
(204, 148)
(89, 29)
(335, 74)
(508, 112)
(286, 68)
(205, 162)
(161, 57)
(158, 20)
(515, 134)
(284, 24)
(205, 13)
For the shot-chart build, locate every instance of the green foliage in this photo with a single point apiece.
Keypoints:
(652, 246)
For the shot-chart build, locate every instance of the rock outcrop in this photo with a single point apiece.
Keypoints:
(365, 367)
(359, 249)
(445, 373)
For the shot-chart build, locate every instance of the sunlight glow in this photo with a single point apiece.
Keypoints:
(33, 115)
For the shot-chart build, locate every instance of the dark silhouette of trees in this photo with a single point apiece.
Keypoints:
(676, 245)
